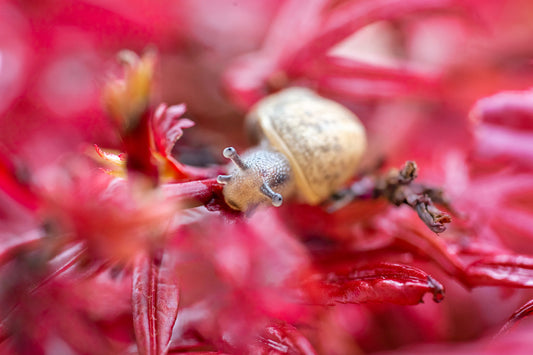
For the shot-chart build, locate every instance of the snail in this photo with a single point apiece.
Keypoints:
(309, 146)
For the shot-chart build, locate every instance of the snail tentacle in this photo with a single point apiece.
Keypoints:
(223, 179)
(276, 198)
(232, 154)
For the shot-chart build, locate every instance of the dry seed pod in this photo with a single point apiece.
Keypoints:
(309, 147)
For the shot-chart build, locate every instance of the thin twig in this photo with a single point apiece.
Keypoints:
(399, 188)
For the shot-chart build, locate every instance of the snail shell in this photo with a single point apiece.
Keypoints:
(321, 141)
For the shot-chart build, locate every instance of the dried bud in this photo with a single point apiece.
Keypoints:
(127, 98)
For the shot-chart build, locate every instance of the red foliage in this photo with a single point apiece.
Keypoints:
(133, 249)
(392, 283)
(155, 295)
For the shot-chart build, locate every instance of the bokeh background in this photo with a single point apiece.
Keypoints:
(442, 82)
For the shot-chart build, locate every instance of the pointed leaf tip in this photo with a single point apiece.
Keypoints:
(525, 311)
(379, 283)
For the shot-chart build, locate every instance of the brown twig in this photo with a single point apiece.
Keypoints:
(399, 188)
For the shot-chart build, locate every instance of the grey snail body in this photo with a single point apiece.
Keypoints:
(309, 148)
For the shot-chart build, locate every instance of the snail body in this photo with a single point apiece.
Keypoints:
(308, 148)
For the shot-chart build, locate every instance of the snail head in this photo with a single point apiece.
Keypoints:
(260, 176)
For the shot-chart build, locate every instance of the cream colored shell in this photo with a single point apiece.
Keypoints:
(322, 140)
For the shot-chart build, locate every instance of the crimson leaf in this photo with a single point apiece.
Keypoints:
(281, 337)
(518, 315)
(168, 127)
(155, 297)
(501, 270)
(383, 282)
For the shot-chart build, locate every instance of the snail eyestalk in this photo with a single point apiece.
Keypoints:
(231, 154)
(276, 198)
(223, 179)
